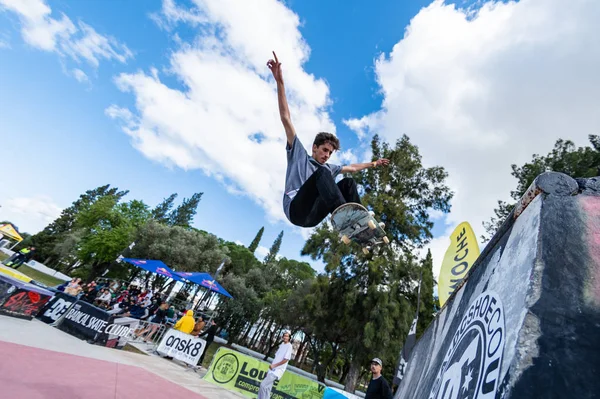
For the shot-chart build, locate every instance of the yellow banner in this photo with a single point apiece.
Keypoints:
(10, 231)
(237, 372)
(14, 273)
(460, 256)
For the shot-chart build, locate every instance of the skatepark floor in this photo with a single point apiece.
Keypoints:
(39, 361)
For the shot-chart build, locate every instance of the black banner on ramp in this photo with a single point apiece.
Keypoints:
(85, 321)
(56, 307)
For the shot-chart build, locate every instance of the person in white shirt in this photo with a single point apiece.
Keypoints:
(277, 368)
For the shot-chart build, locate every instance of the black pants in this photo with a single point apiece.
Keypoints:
(319, 196)
(208, 343)
(16, 260)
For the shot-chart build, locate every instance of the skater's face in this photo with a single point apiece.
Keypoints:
(322, 153)
(375, 368)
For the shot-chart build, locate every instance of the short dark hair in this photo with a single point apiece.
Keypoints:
(324, 138)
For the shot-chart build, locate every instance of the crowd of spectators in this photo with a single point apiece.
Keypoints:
(119, 299)
(132, 301)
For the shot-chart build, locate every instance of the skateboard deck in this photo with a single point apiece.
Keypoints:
(355, 223)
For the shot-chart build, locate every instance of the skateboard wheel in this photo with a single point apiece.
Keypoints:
(386, 240)
(371, 213)
(372, 225)
(382, 225)
(365, 251)
(345, 239)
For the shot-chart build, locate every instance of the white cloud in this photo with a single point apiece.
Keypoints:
(80, 75)
(261, 252)
(344, 157)
(480, 89)
(225, 121)
(78, 42)
(30, 214)
(4, 40)
(172, 14)
(360, 126)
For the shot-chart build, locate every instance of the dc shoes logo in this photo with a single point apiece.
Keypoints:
(471, 367)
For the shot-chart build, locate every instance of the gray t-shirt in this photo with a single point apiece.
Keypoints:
(300, 166)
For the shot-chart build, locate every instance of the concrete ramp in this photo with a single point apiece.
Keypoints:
(526, 321)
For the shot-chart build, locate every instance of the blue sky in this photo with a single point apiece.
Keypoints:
(161, 96)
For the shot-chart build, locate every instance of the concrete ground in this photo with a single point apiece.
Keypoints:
(39, 361)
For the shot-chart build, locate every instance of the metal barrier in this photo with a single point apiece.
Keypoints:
(147, 332)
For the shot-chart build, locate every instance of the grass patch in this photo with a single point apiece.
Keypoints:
(40, 277)
(212, 349)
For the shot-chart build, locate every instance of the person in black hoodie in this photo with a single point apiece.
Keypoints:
(378, 387)
(210, 337)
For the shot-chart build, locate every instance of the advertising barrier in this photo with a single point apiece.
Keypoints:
(56, 307)
(181, 346)
(89, 322)
(238, 372)
(85, 321)
(20, 299)
(119, 331)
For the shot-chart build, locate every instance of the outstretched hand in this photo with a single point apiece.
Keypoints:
(275, 67)
(382, 161)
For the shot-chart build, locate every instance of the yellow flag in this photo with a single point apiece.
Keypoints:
(10, 231)
(460, 256)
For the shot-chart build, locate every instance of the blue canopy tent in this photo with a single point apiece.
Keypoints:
(205, 280)
(154, 266)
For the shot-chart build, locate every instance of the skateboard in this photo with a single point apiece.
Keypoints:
(356, 223)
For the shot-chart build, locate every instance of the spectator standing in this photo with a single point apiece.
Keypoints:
(277, 368)
(198, 327)
(18, 258)
(186, 323)
(378, 386)
(210, 337)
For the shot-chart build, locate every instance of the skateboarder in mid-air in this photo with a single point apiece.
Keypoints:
(310, 189)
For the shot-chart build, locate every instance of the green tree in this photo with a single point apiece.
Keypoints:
(184, 214)
(324, 321)
(162, 210)
(235, 314)
(182, 249)
(272, 255)
(47, 240)
(242, 260)
(256, 241)
(108, 228)
(564, 158)
(377, 292)
(428, 307)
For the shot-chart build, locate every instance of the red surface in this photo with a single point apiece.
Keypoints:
(33, 373)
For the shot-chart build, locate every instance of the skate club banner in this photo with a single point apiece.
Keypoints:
(56, 307)
(181, 346)
(85, 320)
(237, 372)
(460, 256)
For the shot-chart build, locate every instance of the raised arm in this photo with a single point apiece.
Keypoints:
(284, 112)
(355, 167)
